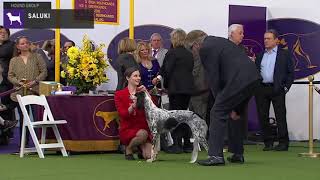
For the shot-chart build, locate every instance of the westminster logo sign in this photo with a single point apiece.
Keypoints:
(19, 14)
(13, 18)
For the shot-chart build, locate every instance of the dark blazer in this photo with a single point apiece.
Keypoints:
(123, 62)
(5, 85)
(6, 53)
(228, 67)
(284, 70)
(177, 71)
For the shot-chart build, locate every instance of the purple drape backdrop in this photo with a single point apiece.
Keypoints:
(254, 21)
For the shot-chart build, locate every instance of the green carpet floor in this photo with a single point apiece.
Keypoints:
(259, 166)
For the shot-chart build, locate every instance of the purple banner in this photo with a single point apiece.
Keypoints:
(105, 11)
(301, 37)
(254, 21)
(88, 117)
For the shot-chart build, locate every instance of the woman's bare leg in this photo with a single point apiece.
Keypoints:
(141, 138)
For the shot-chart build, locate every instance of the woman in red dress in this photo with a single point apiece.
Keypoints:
(134, 131)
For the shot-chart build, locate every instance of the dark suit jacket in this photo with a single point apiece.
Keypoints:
(123, 62)
(228, 67)
(177, 71)
(6, 53)
(5, 85)
(50, 65)
(284, 70)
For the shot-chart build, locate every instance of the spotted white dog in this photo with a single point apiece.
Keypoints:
(157, 119)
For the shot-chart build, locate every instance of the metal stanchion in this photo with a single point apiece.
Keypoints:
(310, 153)
(24, 87)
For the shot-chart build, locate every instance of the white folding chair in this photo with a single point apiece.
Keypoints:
(46, 122)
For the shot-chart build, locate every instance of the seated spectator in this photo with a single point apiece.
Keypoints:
(134, 130)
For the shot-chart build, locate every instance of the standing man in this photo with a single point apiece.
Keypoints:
(64, 57)
(6, 49)
(158, 51)
(276, 68)
(232, 78)
(236, 35)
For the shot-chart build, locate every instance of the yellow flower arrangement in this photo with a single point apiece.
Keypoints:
(86, 66)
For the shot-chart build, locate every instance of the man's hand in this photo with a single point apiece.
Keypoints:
(234, 116)
(3, 107)
(155, 81)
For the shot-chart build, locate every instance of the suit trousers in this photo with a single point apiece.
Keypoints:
(220, 114)
(237, 129)
(180, 102)
(264, 97)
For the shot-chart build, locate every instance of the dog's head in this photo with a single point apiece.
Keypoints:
(9, 14)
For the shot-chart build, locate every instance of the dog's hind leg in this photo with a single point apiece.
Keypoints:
(195, 151)
(204, 143)
(158, 144)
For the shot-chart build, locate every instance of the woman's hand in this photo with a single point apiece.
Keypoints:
(141, 88)
(133, 105)
(31, 83)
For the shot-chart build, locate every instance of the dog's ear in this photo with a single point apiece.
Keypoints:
(170, 123)
(140, 100)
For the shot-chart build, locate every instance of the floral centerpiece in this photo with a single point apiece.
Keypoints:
(86, 66)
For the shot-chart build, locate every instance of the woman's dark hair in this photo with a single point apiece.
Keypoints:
(7, 30)
(139, 95)
(140, 100)
(128, 72)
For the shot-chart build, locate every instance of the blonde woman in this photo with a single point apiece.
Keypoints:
(125, 60)
(149, 66)
(25, 67)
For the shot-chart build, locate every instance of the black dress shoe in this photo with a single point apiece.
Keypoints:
(281, 147)
(268, 148)
(129, 157)
(212, 161)
(236, 158)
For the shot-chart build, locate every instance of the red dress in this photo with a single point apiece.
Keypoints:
(130, 124)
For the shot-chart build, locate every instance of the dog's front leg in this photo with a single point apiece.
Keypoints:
(154, 152)
(153, 155)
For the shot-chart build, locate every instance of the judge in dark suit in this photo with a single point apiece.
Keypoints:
(277, 70)
(232, 78)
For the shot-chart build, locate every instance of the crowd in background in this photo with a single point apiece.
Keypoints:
(181, 73)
